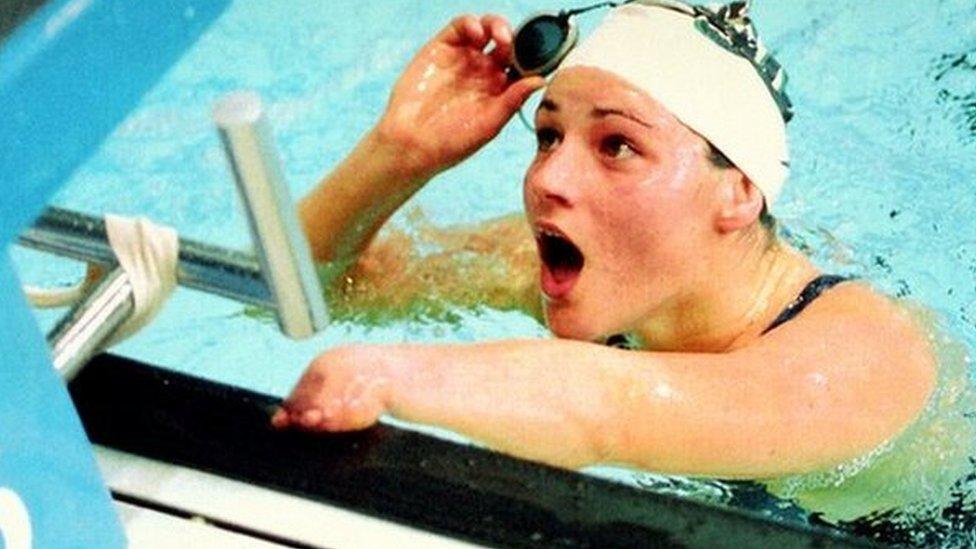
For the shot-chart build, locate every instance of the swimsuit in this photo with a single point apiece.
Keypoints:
(811, 291)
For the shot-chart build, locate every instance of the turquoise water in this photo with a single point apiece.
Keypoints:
(882, 144)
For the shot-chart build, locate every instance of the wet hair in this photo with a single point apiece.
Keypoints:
(719, 160)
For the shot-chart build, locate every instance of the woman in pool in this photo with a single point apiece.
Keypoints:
(647, 209)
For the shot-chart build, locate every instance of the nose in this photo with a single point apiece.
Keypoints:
(553, 179)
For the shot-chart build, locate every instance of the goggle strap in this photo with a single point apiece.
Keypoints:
(525, 121)
(577, 11)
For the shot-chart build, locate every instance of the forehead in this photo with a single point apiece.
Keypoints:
(586, 88)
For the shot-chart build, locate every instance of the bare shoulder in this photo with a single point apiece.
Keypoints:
(876, 349)
(859, 317)
(870, 321)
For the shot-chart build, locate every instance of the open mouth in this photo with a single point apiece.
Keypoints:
(562, 262)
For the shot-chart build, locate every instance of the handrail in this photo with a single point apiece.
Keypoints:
(281, 246)
(228, 273)
(281, 277)
(80, 333)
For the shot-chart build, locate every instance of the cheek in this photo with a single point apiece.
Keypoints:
(647, 224)
(683, 173)
(643, 209)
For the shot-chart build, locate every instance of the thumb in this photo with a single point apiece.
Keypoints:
(516, 94)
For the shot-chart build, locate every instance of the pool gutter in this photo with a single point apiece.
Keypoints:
(461, 491)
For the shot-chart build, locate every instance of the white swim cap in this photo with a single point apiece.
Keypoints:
(715, 92)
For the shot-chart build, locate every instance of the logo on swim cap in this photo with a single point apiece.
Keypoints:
(730, 27)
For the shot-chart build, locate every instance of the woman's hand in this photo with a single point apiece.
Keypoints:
(455, 96)
(344, 389)
(452, 99)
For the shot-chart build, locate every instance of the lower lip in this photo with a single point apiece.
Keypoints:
(557, 287)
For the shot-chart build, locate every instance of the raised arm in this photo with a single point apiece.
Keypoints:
(452, 99)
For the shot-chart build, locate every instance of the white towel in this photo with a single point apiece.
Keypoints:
(148, 253)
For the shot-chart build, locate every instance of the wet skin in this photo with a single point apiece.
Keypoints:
(671, 251)
(632, 188)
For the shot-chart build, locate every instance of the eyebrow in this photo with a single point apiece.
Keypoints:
(548, 105)
(598, 112)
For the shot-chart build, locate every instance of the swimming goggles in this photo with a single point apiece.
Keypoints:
(543, 40)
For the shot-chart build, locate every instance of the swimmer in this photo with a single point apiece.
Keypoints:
(660, 154)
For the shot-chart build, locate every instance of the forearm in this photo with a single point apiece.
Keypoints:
(574, 404)
(555, 401)
(758, 412)
(343, 213)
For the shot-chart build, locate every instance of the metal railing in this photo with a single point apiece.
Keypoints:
(280, 276)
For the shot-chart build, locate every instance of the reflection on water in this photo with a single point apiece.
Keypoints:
(422, 272)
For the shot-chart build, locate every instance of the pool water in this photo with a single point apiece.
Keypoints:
(881, 185)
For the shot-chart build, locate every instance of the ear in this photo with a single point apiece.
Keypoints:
(739, 202)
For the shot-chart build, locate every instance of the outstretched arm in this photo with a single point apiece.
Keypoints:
(829, 386)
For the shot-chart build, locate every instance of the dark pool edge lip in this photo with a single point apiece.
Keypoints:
(408, 477)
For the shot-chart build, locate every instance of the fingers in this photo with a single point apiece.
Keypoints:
(279, 420)
(337, 416)
(333, 395)
(478, 33)
(465, 30)
(312, 418)
(305, 406)
(501, 35)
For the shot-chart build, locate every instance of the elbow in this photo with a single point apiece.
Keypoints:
(633, 425)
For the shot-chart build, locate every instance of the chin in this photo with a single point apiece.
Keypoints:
(566, 322)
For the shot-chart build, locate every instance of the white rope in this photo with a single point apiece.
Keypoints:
(147, 252)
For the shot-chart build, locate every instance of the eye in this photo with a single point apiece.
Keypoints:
(617, 147)
(546, 138)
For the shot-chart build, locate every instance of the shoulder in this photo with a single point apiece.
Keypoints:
(850, 372)
(854, 316)
(852, 322)
(874, 347)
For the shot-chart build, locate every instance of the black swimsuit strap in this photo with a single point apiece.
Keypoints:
(810, 292)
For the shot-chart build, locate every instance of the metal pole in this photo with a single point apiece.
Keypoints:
(228, 273)
(83, 331)
(281, 245)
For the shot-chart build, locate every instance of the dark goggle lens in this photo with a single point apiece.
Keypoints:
(539, 41)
